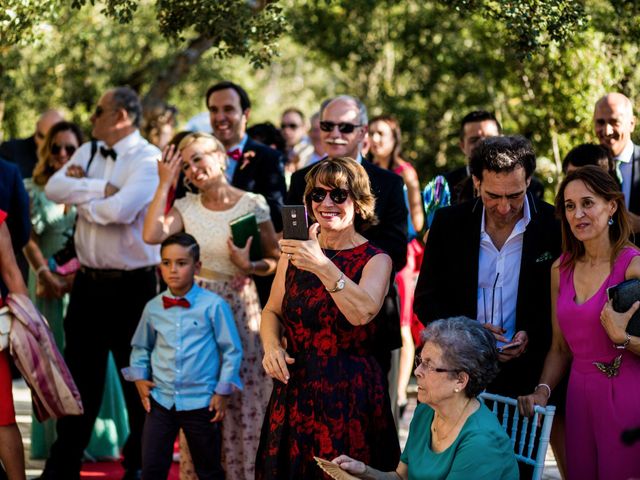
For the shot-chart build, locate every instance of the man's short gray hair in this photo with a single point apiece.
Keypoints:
(364, 117)
(466, 347)
(127, 98)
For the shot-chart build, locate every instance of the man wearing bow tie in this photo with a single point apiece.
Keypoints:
(111, 183)
(251, 166)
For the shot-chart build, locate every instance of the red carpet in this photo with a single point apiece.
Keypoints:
(114, 471)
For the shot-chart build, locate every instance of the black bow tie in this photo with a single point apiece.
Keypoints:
(108, 152)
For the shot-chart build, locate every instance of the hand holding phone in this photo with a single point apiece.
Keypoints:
(294, 222)
(509, 346)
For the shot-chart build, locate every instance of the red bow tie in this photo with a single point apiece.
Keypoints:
(168, 302)
(236, 154)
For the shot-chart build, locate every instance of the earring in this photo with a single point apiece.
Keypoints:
(456, 390)
(610, 222)
(187, 184)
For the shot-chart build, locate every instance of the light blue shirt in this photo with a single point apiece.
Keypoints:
(624, 169)
(189, 353)
(231, 163)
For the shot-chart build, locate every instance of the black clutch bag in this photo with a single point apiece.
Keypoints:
(623, 297)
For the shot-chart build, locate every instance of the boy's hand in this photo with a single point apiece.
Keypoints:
(144, 387)
(219, 404)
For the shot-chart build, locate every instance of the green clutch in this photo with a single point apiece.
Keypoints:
(244, 227)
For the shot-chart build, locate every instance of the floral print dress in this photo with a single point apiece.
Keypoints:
(336, 400)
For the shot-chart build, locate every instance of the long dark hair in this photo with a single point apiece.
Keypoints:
(602, 185)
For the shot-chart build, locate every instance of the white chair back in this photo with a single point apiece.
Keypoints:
(529, 441)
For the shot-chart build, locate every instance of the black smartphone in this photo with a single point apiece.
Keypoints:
(294, 222)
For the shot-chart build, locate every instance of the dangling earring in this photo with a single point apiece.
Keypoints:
(187, 184)
(610, 222)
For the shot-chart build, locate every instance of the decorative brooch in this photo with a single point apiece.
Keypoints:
(610, 369)
(544, 257)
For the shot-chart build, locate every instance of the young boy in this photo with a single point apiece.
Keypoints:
(185, 361)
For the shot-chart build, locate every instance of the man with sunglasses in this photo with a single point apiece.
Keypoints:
(294, 128)
(343, 125)
(24, 151)
(111, 183)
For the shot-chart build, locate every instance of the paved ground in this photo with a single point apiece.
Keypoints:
(34, 467)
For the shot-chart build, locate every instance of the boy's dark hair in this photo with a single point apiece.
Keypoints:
(184, 240)
(588, 154)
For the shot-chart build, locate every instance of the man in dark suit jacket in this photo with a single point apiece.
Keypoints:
(15, 201)
(614, 123)
(252, 166)
(24, 151)
(506, 240)
(343, 128)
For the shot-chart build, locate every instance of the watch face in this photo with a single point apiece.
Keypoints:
(340, 284)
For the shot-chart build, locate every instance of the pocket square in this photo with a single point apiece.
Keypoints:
(544, 257)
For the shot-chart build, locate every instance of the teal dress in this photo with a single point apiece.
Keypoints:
(481, 451)
(51, 227)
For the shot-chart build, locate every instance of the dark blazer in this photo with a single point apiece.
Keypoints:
(263, 173)
(448, 282)
(15, 201)
(634, 201)
(23, 152)
(389, 235)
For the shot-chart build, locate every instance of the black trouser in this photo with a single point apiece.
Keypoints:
(104, 311)
(203, 437)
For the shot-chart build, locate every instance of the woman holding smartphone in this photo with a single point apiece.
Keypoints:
(330, 395)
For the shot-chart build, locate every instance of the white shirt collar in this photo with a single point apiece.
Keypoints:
(627, 154)
(520, 225)
(125, 143)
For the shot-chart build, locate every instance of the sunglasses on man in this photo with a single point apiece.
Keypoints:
(343, 127)
(337, 195)
(56, 149)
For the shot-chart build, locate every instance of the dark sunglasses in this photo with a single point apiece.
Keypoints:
(56, 149)
(291, 126)
(99, 111)
(338, 195)
(343, 127)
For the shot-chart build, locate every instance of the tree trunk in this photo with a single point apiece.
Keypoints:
(177, 70)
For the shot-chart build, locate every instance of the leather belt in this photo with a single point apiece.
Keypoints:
(113, 274)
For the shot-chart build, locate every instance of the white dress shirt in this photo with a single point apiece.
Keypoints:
(501, 269)
(109, 229)
(625, 167)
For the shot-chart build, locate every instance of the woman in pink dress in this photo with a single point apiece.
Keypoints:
(385, 140)
(603, 396)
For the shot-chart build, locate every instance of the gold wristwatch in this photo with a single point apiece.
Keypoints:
(339, 284)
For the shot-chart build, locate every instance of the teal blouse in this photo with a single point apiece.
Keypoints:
(482, 450)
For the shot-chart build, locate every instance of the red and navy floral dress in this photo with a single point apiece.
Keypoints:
(336, 401)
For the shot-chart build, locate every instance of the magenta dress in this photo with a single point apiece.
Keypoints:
(599, 408)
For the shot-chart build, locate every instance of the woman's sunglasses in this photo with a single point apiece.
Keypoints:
(56, 149)
(338, 195)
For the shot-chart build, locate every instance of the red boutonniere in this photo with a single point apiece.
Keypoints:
(246, 158)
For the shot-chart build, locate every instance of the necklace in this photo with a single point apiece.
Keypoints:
(333, 256)
(435, 429)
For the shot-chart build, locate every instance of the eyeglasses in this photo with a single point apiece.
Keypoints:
(426, 364)
(99, 111)
(338, 195)
(343, 127)
(56, 149)
(291, 126)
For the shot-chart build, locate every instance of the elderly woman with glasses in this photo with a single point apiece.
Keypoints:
(452, 435)
(329, 394)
